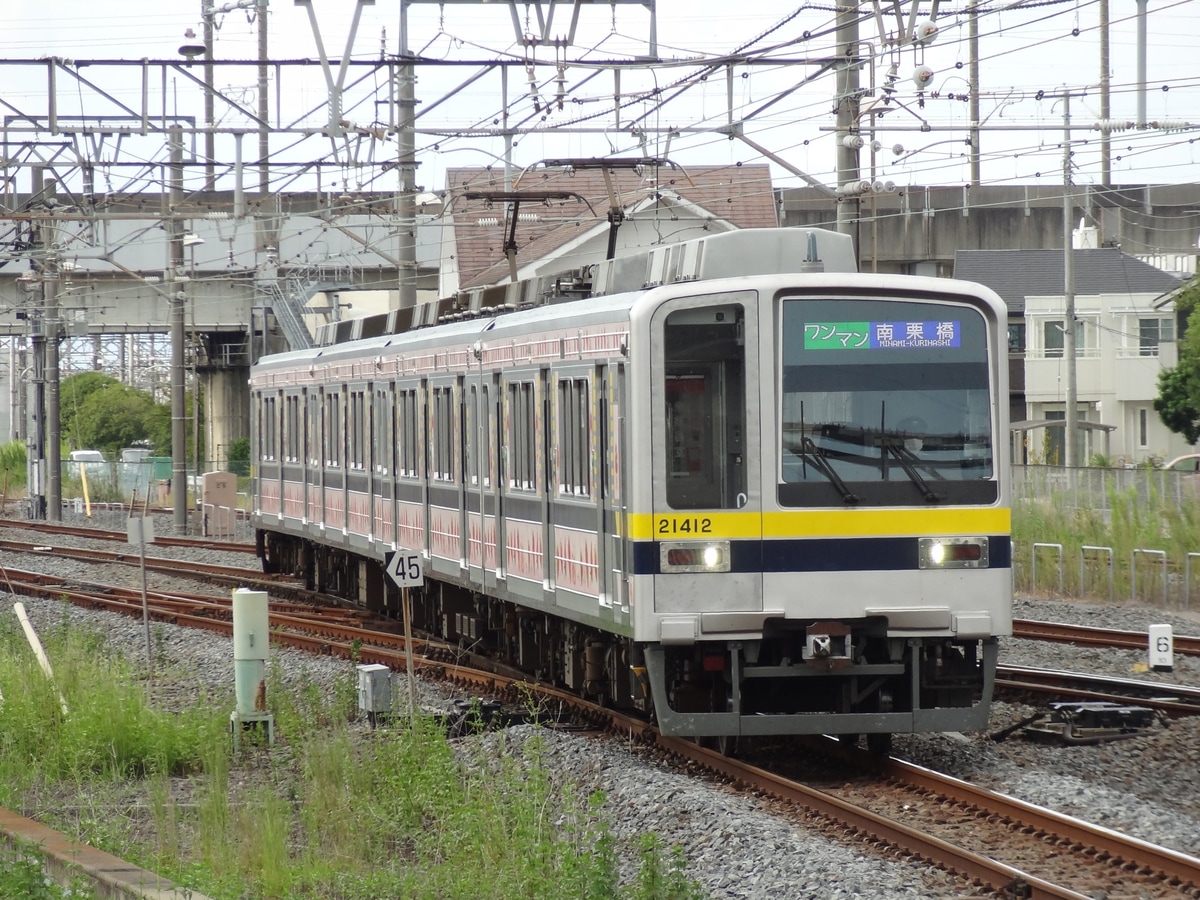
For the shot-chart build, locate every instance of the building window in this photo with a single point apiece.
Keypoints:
(1053, 338)
(1152, 332)
(1016, 338)
(1143, 428)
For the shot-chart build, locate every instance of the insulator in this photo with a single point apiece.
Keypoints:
(926, 32)
(853, 141)
(922, 75)
(853, 188)
(1111, 125)
(1170, 125)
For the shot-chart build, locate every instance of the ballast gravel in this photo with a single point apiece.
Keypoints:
(735, 846)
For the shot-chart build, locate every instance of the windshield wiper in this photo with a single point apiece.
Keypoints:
(906, 458)
(820, 461)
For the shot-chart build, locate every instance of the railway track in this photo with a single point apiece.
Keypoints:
(994, 841)
(1082, 635)
(234, 575)
(100, 534)
(1174, 700)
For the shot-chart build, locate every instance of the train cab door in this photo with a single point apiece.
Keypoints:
(707, 504)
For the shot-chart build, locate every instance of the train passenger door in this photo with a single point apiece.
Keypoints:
(704, 418)
(611, 473)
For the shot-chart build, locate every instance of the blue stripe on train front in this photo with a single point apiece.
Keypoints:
(822, 555)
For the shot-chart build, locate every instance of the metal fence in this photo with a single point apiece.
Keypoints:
(1093, 488)
(1114, 567)
(112, 488)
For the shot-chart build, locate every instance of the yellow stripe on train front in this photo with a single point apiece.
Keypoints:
(803, 523)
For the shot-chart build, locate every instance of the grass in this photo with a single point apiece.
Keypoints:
(332, 811)
(12, 466)
(1132, 522)
(23, 875)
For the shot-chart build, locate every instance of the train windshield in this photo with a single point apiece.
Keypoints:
(884, 402)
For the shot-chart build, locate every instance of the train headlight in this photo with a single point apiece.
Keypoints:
(954, 553)
(694, 556)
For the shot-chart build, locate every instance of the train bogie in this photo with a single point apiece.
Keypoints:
(750, 502)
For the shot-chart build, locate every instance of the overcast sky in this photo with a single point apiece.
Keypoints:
(1028, 55)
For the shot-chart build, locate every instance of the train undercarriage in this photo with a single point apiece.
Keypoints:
(814, 677)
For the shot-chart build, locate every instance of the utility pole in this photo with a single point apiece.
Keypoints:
(1071, 419)
(210, 139)
(44, 453)
(406, 150)
(848, 174)
(973, 45)
(50, 322)
(1105, 106)
(179, 486)
(264, 127)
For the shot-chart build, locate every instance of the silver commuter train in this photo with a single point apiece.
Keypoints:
(755, 493)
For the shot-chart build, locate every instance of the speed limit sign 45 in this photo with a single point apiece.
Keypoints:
(405, 568)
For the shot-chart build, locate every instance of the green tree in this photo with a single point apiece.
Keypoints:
(1178, 400)
(73, 395)
(239, 456)
(158, 428)
(113, 417)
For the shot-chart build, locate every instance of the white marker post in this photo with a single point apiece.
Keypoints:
(406, 570)
(140, 530)
(1162, 648)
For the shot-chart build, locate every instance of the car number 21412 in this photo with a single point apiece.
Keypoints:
(669, 526)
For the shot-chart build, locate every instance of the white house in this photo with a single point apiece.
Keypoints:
(1125, 332)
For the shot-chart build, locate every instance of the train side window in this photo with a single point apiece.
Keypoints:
(334, 430)
(358, 429)
(705, 415)
(522, 440)
(406, 410)
(486, 451)
(443, 433)
(382, 428)
(269, 428)
(574, 438)
(471, 437)
(291, 428)
(312, 429)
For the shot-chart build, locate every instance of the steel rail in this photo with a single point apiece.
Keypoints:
(1175, 700)
(959, 860)
(1060, 632)
(1177, 867)
(99, 534)
(153, 563)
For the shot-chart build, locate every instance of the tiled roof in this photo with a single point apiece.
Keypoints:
(739, 195)
(1017, 274)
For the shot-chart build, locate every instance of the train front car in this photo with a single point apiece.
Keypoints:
(823, 543)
